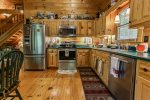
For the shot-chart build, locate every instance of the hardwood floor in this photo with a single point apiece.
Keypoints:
(49, 85)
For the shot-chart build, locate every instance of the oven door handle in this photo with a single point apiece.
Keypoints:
(66, 49)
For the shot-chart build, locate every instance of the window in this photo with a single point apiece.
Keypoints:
(123, 28)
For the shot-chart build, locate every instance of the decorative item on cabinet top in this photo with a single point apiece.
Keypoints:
(51, 15)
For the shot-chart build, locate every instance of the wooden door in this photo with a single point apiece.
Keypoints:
(82, 28)
(52, 60)
(85, 59)
(90, 28)
(142, 89)
(105, 71)
(54, 28)
(134, 10)
(97, 26)
(113, 26)
(49, 59)
(79, 59)
(92, 59)
(108, 24)
(146, 8)
(140, 13)
(103, 24)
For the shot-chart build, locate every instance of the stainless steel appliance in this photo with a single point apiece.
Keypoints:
(34, 46)
(67, 57)
(122, 85)
(67, 30)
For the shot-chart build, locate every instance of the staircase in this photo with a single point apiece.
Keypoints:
(11, 30)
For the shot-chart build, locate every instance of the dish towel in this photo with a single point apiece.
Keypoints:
(121, 73)
(114, 70)
(100, 67)
(67, 53)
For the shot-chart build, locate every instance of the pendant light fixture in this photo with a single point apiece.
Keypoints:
(117, 19)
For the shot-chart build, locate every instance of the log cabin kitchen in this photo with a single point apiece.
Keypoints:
(74, 49)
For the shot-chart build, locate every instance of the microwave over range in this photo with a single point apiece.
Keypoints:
(67, 30)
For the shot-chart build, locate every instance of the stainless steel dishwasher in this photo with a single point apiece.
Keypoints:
(122, 85)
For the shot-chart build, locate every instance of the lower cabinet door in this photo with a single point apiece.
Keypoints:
(142, 89)
(52, 60)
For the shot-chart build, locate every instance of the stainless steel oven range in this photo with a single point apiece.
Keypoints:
(67, 57)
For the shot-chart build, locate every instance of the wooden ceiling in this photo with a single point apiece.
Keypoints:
(62, 7)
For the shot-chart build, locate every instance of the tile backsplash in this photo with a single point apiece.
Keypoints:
(77, 40)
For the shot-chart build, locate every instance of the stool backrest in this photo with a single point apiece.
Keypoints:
(10, 65)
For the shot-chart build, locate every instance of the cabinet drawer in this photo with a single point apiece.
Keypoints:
(144, 70)
(85, 51)
(52, 50)
(102, 54)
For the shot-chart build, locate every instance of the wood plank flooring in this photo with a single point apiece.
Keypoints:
(49, 85)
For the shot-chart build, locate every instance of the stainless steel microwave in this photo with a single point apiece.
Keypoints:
(67, 30)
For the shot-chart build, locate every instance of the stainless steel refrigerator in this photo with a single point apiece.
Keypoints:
(34, 46)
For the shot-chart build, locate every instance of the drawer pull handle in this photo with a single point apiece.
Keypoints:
(145, 70)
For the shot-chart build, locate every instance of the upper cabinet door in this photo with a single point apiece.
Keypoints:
(90, 29)
(82, 28)
(140, 13)
(97, 27)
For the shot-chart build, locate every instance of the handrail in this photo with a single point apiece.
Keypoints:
(9, 11)
(4, 27)
(10, 32)
(6, 20)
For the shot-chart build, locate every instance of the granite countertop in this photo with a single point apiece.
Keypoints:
(53, 47)
(131, 54)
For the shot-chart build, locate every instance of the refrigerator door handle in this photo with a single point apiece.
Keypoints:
(34, 39)
(30, 39)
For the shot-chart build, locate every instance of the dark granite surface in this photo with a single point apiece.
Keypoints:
(131, 54)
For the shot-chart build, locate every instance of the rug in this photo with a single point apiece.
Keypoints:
(93, 86)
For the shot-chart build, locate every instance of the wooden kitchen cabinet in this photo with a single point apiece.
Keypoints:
(85, 28)
(54, 28)
(105, 57)
(93, 58)
(140, 13)
(97, 27)
(83, 58)
(52, 58)
(90, 28)
(111, 28)
(142, 84)
(68, 23)
(82, 28)
(100, 25)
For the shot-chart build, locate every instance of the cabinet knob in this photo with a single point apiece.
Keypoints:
(145, 70)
